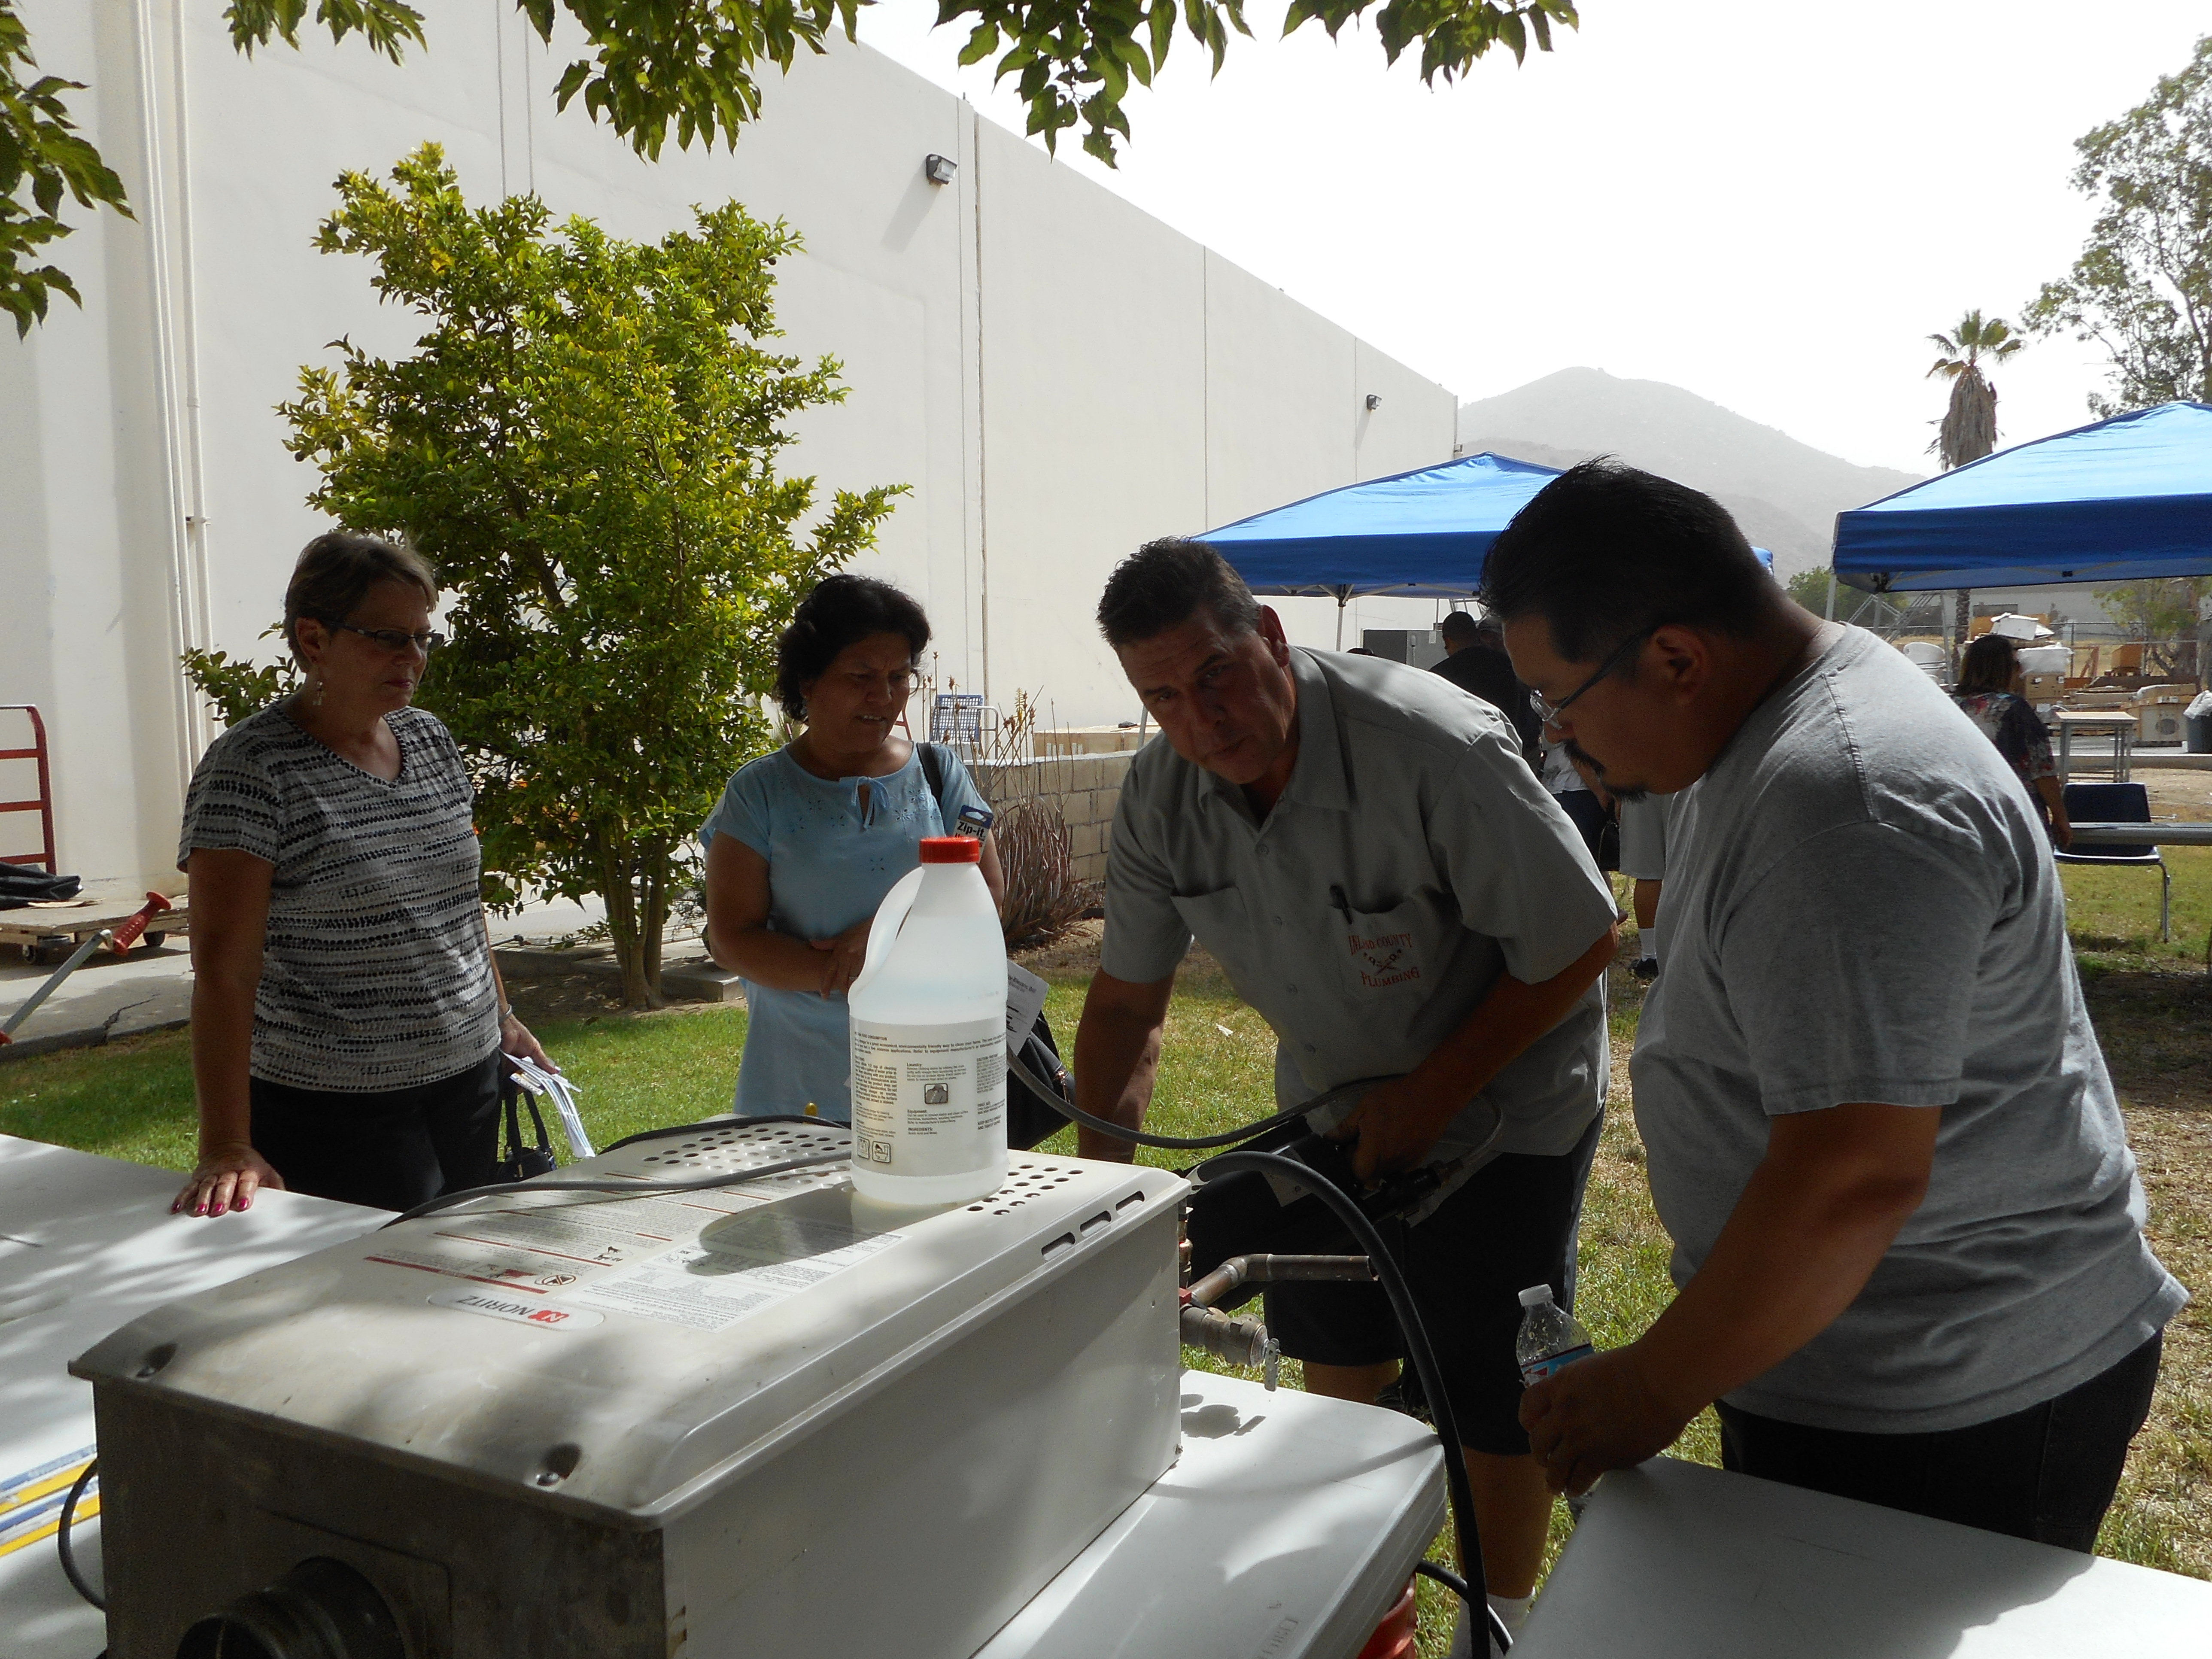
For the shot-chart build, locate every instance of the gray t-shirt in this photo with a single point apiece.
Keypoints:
(1412, 858)
(375, 973)
(1867, 910)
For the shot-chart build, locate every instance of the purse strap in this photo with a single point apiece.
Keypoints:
(511, 1093)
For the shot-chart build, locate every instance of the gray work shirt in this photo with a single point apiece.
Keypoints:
(1412, 858)
(1866, 909)
(1645, 825)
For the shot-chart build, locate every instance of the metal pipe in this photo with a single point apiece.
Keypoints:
(1239, 1271)
(1238, 1341)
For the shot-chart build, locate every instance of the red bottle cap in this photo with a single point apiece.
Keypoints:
(950, 849)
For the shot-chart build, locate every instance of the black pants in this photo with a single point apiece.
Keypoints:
(1513, 1224)
(392, 1149)
(2047, 1473)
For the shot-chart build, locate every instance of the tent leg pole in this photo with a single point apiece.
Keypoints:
(1339, 624)
(1832, 586)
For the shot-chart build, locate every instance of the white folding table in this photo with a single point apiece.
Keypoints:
(1287, 1529)
(87, 1244)
(2117, 724)
(1288, 1526)
(1679, 1561)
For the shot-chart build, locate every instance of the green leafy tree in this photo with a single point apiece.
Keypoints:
(2160, 609)
(41, 159)
(1968, 430)
(2143, 288)
(583, 442)
(693, 67)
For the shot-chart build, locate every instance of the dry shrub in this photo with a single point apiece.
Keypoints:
(1044, 896)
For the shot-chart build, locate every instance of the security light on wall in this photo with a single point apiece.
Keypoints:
(1375, 400)
(939, 169)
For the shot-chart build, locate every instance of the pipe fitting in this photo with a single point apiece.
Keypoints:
(1239, 1271)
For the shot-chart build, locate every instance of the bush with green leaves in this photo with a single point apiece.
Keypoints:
(583, 442)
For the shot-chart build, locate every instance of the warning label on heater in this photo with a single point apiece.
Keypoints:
(737, 1268)
(541, 1243)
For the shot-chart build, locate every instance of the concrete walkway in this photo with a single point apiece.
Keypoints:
(152, 990)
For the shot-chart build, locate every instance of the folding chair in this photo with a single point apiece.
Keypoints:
(2119, 803)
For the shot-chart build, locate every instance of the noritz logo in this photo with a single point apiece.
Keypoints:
(542, 1314)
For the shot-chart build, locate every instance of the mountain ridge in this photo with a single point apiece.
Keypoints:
(1783, 493)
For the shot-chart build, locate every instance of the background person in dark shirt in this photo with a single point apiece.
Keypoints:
(1477, 663)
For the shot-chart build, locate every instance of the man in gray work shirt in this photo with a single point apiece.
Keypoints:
(1365, 852)
(1908, 1231)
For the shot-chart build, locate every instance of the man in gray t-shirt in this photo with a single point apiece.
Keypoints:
(1908, 1231)
(1647, 823)
(1363, 849)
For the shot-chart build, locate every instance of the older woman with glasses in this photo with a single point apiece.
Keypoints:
(348, 1020)
(805, 842)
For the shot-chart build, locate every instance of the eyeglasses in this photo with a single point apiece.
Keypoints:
(1549, 712)
(396, 640)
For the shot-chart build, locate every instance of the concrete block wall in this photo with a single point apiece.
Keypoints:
(1086, 788)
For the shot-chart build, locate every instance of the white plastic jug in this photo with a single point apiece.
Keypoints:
(928, 1021)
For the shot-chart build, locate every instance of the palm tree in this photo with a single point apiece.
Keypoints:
(1968, 430)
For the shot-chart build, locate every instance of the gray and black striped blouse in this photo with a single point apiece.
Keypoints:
(375, 974)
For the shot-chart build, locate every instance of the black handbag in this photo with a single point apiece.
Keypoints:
(1030, 1117)
(522, 1162)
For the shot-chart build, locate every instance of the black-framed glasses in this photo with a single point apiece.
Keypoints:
(1549, 712)
(396, 640)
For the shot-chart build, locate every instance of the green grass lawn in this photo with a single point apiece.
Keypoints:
(133, 1100)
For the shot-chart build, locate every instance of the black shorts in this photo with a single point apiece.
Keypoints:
(1513, 1224)
(391, 1149)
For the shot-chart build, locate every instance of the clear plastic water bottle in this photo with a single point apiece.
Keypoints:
(1549, 1337)
(927, 1015)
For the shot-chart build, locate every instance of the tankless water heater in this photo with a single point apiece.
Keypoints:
(767, 1419)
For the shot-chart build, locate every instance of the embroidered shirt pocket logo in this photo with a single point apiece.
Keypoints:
(1383, 959)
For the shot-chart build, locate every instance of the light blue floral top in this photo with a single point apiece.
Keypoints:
(829, 866)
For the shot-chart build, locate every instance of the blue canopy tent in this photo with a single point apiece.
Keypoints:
(1417, 535)
(2124, 499)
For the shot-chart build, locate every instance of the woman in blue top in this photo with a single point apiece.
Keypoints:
(805, 843)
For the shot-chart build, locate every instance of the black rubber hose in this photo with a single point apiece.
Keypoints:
(629, 1188)
(62, 1545)
(1445, 1576)
(1417, 1350)
(1074, 1114)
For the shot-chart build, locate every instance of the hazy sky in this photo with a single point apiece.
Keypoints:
(1772, 204)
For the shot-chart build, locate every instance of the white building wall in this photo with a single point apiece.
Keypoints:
(1056, 376)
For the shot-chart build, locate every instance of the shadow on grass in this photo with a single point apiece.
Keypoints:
(2155, 1028)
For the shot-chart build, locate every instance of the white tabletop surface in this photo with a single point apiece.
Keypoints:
(1678, 1559)
(1288, 1528)
(87, 1244)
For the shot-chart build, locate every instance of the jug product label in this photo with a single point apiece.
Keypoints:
(1535, 1371)
(928, 1100)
